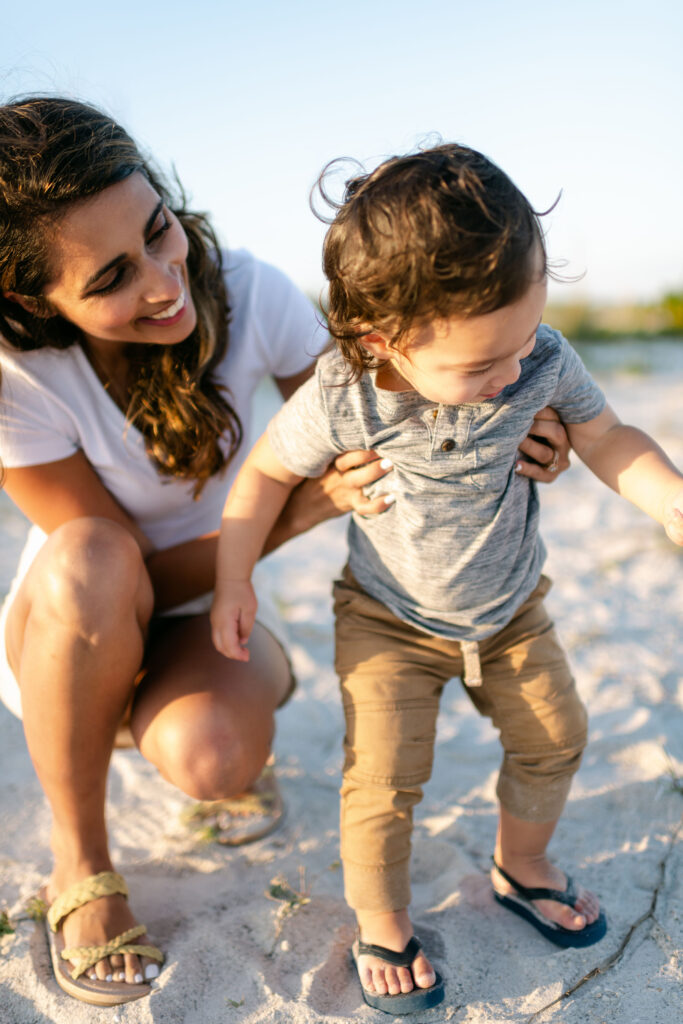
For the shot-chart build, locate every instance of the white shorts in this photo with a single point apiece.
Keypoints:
(267, 615)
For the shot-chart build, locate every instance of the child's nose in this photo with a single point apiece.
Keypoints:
(508, 373)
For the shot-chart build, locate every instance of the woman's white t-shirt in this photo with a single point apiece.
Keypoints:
(52, 405)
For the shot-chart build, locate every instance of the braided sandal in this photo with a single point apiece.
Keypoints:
(521, 902)
(403, 1002)
(99, 993)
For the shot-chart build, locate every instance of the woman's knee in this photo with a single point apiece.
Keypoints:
(207, 755)
(90, 570)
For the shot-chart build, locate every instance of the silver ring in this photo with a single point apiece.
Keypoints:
(554, 463)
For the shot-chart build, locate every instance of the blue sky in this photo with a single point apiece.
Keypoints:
(250, 101)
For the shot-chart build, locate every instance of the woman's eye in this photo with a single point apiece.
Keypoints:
(111, 284)
(159, 231)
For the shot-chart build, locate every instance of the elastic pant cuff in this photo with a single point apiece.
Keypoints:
(377, 889)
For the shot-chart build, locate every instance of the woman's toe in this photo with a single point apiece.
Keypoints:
(133, 969)
(150, 968)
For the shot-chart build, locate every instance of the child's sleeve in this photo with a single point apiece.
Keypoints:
(300, 433)
(577, 398)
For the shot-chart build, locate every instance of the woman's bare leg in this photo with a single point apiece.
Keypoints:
(75, 640)
(207, 722)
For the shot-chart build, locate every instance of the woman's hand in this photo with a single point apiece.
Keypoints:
(547, 446)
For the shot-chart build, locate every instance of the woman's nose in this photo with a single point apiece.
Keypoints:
(163, 281)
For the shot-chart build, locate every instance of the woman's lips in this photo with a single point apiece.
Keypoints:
(169, 316)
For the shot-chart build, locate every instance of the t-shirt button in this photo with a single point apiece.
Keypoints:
(448, 445)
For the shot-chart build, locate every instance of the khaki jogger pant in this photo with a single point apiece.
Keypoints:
(391, 679)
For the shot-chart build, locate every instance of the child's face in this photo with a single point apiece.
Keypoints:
(465, 359)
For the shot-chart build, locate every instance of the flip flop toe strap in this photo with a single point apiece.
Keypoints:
(83, 957)
(567, 896)
(403, 959)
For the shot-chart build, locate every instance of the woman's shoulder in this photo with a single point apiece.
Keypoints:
(41, 366)
(253, 282)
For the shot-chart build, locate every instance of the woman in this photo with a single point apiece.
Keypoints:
(129, 362)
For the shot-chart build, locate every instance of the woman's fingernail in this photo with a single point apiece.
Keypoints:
(389, 499)
(518, 467)
(109, 977)
(138, 979)
(386, 464)
(151, 971)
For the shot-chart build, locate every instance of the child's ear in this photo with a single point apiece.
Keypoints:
(376, 344)
(37, 307)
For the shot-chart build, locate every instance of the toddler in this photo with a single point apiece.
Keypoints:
(437, 272)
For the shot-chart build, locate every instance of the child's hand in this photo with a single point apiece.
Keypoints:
(232, 618)
(673, 524)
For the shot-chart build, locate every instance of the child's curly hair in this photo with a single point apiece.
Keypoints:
(437, 233)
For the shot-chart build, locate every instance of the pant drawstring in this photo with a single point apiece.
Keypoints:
(470, 656)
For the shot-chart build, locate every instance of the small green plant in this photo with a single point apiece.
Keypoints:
(291, 900)
(6, 927)
(676, 779)
(36, 908)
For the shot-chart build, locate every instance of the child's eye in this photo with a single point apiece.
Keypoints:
(478, 373)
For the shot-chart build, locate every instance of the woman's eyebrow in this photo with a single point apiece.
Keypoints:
(122, 256)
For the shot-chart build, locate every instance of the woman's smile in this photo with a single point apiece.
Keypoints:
(171, 315)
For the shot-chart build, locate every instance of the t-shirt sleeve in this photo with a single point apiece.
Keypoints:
(33, 428)
(286, 326)
(577, 397)
(300, 432)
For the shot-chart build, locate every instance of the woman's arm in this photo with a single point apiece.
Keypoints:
(55, 492)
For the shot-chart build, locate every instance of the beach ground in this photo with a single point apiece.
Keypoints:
(236, 955)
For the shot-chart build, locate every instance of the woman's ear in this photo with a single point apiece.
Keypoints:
(37, 307)
(377, 345)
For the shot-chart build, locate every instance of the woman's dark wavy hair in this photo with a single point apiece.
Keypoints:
(55, 153)
(437, 233)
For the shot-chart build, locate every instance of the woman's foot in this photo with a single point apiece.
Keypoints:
(538, 872)
(96, 923)
(392, 930)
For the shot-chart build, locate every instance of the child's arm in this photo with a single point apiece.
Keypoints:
(633, 465)
(255, 501)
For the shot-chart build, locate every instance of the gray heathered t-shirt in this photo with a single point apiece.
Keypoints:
(458, 552)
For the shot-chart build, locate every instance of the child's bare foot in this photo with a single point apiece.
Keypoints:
(538, 872)
(392, 930)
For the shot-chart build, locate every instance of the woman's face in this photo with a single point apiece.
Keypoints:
(119, 268)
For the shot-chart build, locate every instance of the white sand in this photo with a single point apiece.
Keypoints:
(618, 600)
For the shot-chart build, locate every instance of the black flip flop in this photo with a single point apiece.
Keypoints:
(404, 1002)
(520, 902)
